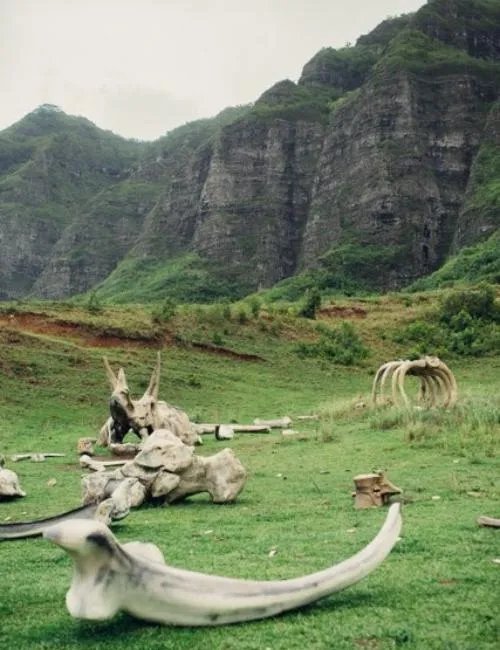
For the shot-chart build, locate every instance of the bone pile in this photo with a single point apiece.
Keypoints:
(165, 469)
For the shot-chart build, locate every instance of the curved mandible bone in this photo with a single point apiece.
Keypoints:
(112, 378)
(21, 529)
(154, 382)
(108, 579)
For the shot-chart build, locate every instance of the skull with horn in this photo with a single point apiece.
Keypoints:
(142, 416)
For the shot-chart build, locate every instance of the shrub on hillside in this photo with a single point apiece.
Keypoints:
(311, 304)
(465, 324)
(164, 312)
(339, 344)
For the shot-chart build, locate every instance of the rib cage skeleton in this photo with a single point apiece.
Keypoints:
(438, 386)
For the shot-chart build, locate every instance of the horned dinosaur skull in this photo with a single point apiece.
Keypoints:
(109, 577)
(142, 416)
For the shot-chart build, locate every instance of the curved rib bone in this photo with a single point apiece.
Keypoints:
(381, 376)
(108, 578)
(437, 383)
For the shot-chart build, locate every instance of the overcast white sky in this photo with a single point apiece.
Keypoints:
(143, 67)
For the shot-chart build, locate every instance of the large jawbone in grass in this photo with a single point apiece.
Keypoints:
(109, 577)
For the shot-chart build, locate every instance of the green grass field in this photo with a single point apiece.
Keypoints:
(438, 589)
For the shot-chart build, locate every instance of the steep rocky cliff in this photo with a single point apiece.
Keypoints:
(382, 160)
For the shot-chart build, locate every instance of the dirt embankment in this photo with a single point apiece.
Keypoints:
(84, 335)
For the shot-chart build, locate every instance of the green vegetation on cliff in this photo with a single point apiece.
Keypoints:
(52, 163)
(185, 279)
(419, 53)
(474, 264)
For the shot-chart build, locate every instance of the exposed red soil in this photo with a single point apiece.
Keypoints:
(41, 324)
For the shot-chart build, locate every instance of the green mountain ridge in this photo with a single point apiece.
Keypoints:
(367, 174)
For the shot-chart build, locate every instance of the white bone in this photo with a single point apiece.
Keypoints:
(277, 423)
(165, 467)
(205, 428)
(9, 482)
(109, 578)
(224, 432)
(99, 466)
(35, 456)
(143, 415)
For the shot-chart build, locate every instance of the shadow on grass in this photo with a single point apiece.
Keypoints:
(87, 632)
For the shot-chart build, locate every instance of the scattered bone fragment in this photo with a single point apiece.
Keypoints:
(35, 456)
(109, 577)
(206, 428)
(86, 462)
(307, 417)
(124, 448)
(276, 423)
(488, 521)
(224, 432)
(85, 446)
(289, 432)
(373, 490)
(9, 483)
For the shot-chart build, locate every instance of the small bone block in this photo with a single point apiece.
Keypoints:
(86, 446)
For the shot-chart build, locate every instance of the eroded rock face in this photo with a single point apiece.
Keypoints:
(479, 217)
(255, 201)
(394, 170)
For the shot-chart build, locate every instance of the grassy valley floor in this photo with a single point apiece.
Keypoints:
(437, 589)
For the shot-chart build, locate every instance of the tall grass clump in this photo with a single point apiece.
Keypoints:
(470, 429)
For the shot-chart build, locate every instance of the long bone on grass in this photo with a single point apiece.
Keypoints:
(109, 578)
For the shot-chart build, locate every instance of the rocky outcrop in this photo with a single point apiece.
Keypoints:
(100, 237)
(394, 169)
(53, 165)
(470, 26)
(255, 200)
(479, 216)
